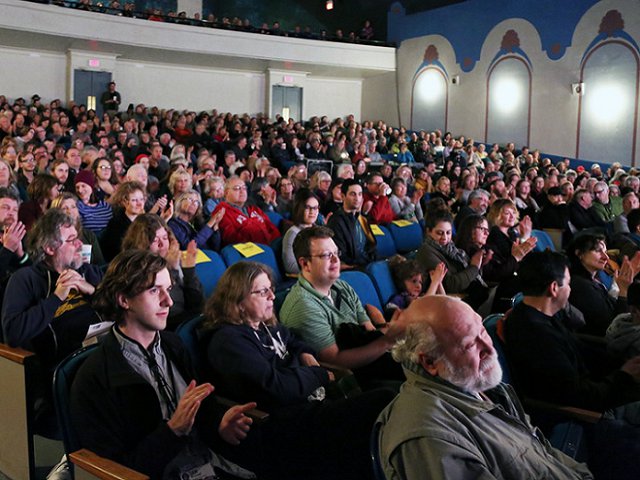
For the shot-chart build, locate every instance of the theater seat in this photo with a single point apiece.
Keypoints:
(209, 270)
(407, 237)
(363, 286)
(383, 281)
(385, 245)
(86, 463)
(231, 255)
(544, 241)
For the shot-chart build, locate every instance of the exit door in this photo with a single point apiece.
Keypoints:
(287, 101)
(88, 87)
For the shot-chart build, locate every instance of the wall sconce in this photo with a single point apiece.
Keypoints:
(329, 5)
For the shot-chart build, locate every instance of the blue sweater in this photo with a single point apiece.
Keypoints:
(246, 369)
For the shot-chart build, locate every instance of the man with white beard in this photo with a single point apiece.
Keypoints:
(453, 417)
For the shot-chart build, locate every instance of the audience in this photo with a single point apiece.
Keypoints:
(105, 158)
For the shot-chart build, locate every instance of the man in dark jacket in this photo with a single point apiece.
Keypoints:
(47, 305)
(134, 400)
(353, 235)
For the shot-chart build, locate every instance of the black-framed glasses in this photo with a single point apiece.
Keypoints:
(264, 292)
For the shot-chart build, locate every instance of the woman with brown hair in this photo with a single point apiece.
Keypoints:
(130, 197)
(149, 232)
(252, 356)
(41, 191)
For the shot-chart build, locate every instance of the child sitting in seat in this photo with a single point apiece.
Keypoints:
(409, 281)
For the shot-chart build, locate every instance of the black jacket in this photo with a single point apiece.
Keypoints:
(343, 225)
(116, 413)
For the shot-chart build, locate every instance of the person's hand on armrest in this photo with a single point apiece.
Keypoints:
(235, 424)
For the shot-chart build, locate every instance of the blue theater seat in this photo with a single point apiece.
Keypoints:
(209, 272)
(363, 286)
(406, 238)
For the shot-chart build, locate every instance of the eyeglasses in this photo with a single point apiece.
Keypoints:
(483, 229)
(264, 292)
(105, 167)
(193, 200)
(598, 192)
(311, 208)
(239, 188)
(28, 160)
(328, 255)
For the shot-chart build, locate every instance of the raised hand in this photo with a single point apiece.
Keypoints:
(181, 422)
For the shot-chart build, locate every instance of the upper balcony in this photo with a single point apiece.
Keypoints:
(58, 29)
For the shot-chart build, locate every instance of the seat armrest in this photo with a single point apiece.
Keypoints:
(89, 465)
(338, 371)
(580, 414)
(17, 355)
(256, 415)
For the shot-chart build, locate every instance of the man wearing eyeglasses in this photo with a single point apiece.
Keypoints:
(243, 223)
(47, 306)
(376, 203)
(327, 314)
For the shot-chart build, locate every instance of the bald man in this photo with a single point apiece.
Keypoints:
(453, 417)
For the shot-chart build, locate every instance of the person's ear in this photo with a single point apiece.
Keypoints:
(122, 301)
(49, 250)
(429, 364)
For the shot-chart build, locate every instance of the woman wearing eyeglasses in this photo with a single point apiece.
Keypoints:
(304, 214)
(252, 356)
(150, 232)
(187, 223)
(95, 214)
(106, 179)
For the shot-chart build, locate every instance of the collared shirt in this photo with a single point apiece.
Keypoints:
(315, 318)
(167, 381)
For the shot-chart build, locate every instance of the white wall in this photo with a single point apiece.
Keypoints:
(333, 97)
(25, 72)
(380, 98)
(196, 88)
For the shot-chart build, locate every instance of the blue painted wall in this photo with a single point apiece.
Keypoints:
(467, 24)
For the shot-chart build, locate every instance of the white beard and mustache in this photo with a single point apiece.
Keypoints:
(488, 377)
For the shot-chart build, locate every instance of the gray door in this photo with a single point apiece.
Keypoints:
(286, 101)
(88, 87)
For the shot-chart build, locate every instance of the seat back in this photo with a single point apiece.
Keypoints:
(188, 333)
(374, 451)
(492, 323)
(380, 275)
(407, 238)
(363, 287)
(63, 378)
(275, 218)
(209, 272)
(385, 246)
(544, 241)
(231, 255)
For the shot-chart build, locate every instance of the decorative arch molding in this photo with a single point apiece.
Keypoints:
(611, 141)
(428, 108)
(500, 127)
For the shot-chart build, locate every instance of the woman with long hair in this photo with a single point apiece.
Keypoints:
(305, 214)
(41, 192)
(95, 214)
(106, 179)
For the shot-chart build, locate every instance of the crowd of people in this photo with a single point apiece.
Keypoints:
(366, 34)
(102, 219)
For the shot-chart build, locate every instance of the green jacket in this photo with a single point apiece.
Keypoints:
(435, 430)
